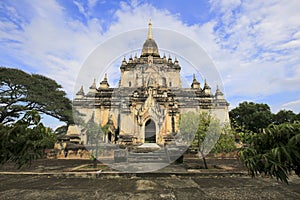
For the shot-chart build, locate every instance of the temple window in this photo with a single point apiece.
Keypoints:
(164, 81)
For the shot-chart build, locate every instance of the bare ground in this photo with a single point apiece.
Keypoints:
(16, 184)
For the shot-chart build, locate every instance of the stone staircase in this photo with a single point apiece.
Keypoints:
(152, 153)
(149, 153)
(156, 156)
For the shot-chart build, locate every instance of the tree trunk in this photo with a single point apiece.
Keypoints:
(204, 160)
(94, 162)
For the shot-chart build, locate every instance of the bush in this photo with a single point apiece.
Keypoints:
(274, 152)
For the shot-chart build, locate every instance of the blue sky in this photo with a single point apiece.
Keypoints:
(255, 45)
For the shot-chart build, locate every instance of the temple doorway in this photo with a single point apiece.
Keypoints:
(150, 132)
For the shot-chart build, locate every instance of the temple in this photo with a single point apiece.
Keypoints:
(147, 104)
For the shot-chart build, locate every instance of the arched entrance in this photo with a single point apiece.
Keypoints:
(150, 132)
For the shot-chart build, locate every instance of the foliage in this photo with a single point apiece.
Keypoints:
(207, 134)
(202, 129)
(95, 137)
(25, 140)
(21, 92)
(226, 142)
(274, 152)
(242, 134)
(251, 116)
(284, 116)
(188, 124)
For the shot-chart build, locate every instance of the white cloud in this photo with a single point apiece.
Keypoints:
(254, 44)
(81, 8)
(51, 43)
(258, 43)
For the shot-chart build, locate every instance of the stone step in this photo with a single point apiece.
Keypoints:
(157, 154)
(147, 160)
(150, 157)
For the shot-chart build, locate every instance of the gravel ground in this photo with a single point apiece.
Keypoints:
(43, 181)
(171, 187)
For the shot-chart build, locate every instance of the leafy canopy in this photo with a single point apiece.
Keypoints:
(251, 116)
(21, 92)
(226, 142)
(284, 116)
(274, 152)
(25, 140)
(202, 130)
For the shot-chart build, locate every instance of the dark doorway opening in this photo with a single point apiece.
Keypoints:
(109, 137)
(150, 132)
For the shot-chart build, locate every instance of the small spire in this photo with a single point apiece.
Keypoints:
(176, 61)
(130, 59)
(104, 83)
(93, 86)
(124, 61)
(135, 58)
(150, 30)
(218, 91)
(164, 58)
(81, 91)
(195, 83)
(206, 86)
(219, 94)
(170, 59)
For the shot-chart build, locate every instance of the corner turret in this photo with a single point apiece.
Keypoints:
(206, 88)
(195, 83)
(104, 84)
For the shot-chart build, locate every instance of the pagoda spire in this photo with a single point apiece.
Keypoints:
(104, 84)
(80, 92)
(150, 30)
(195, 83)
(93, 86)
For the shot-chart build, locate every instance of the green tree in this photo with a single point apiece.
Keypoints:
(226, 141)
(21, 92)
(202, 130)
(251, 116)
(188, 124)
(297, 117)
(284, 116)
(241, 133)
(95, 135)
(25, 140)
(274, 152)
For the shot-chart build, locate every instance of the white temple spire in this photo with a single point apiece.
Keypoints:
(150, 30)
